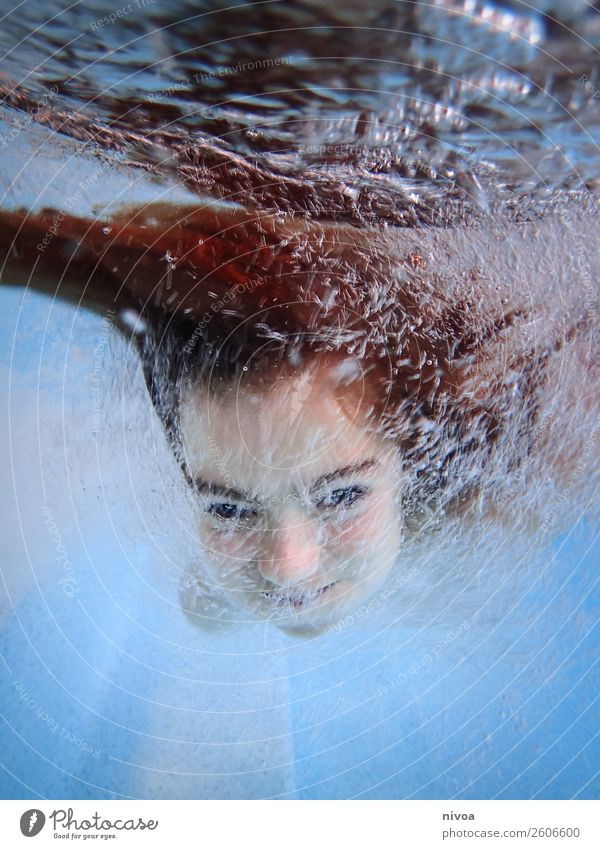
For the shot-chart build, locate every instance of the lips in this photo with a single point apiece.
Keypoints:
(297, 600)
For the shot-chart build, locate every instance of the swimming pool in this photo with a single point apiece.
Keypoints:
(473, 674)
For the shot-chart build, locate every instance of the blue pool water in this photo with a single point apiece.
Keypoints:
(107, 689)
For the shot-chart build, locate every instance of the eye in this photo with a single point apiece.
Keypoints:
(233, 513)
(342, 498)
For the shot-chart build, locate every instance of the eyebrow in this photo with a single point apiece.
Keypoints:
(218, 490)
(345, 471)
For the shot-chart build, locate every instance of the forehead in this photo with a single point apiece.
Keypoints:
(290, 433)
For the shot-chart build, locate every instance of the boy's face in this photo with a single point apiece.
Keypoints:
(299, 501)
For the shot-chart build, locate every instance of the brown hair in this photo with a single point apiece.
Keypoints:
(441, 321)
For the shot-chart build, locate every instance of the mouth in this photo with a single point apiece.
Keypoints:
(296, 601)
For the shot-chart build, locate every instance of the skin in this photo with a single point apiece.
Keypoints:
(298, 497)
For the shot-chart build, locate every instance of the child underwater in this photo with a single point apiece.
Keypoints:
(364, 290)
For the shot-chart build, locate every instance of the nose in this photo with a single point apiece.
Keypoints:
(291, 552)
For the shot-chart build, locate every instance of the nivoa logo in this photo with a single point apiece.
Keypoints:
(32, 822)
(453, 815)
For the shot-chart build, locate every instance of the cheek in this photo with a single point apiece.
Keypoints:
(220, 543)
(364, 531)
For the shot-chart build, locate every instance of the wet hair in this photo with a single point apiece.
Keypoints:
(438, 433)
(467, 408)
(179, 355)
